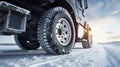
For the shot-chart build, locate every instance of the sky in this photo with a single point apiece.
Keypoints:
(104, 18)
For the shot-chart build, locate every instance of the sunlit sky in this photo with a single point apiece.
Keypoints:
(104, 18)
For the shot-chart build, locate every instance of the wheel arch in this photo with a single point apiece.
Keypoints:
(70, 8)
(68, 5)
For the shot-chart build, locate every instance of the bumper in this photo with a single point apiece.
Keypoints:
(12, 18)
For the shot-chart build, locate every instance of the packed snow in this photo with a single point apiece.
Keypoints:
(100, 55)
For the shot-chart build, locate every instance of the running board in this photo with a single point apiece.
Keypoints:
(80, 40)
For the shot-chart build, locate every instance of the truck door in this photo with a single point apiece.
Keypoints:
(80, 9)
(80, 18)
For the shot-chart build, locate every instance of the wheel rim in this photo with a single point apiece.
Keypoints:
(63, 31)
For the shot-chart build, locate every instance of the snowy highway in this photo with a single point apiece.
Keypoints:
(101, 55)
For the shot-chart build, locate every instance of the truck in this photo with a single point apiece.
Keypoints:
(55, 25)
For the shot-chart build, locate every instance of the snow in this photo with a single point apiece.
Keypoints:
(114, 53)
(101, 55)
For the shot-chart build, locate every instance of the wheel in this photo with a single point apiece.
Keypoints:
(28, 40)
(56, 33)
(25, 42)
(88, 37)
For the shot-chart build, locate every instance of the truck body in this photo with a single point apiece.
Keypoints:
(26, 18)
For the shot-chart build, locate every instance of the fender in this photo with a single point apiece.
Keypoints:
(80, 28)
(72, 4)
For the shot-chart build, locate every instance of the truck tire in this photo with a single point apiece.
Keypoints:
(88, 42)
(56, 32)
(27, 40)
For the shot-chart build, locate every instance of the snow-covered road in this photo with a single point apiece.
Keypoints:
(104, 55)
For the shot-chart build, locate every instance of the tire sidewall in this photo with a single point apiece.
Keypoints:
(21, 42)
(47, 34)
(90, 40)
(56, 18)
(53, 16)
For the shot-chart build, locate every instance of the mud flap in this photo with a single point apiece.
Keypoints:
(12, 18)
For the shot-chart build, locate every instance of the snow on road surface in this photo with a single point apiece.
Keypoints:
(104, 55)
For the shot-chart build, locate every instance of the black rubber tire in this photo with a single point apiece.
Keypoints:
(21, 41)
(88, 42)
(46, 34)
(28, 40)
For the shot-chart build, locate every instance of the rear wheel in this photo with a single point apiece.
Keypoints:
(56, 33)
(28, 40)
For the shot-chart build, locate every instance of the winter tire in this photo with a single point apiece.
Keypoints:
(28, 40)
(56, 33)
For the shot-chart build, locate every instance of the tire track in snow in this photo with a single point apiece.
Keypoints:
(113, 59)
(74, 53)
(55, 59)
(39, 63)
(78, 57)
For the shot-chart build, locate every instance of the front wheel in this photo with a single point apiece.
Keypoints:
(56, 33)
